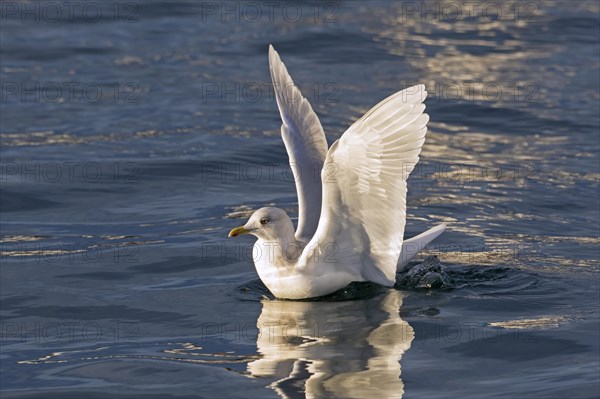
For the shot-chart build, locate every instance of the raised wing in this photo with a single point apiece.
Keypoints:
(305, 143)
(364, 183)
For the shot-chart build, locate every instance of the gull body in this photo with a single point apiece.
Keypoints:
(350, 221)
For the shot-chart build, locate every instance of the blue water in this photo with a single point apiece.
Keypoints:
(136, 134)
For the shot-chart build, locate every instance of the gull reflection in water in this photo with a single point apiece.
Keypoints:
(348, 349)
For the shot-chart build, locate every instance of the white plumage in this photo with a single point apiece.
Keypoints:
(351, 223)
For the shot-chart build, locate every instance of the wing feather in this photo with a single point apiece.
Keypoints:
(364, 206)
(305, 143)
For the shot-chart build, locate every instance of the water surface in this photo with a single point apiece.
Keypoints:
(133, 142)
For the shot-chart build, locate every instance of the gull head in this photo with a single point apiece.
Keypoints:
(266, 223)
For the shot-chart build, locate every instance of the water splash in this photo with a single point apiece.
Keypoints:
(428, 274)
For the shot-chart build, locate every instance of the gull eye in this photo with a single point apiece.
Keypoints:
(264, 221)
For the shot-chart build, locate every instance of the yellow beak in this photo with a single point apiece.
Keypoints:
(238, 231)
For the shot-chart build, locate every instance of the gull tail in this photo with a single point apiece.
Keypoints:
(412, 246)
